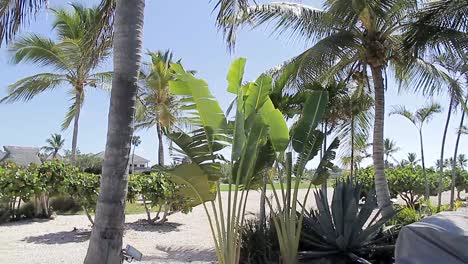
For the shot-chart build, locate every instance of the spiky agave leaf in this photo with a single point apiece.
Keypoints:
(342, 227)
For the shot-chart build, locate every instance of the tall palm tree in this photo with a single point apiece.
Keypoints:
(412, 159)
(418, 119)
(54, 144)
(455, 152)
(105, 244)
(462, 160)
(356, 123)
(156, 106)
(456, 68)
(72, 57)
(349, 39)
(136, 141)
(390, 148)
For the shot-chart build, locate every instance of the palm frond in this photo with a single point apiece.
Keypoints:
(227, 13)
(101, 80)
(425, 113)
(71, 113)
(315, 62)
(26, 88)
(41, 51)
(15, 14)
(298, 20)
(403, 111)
(440, 25)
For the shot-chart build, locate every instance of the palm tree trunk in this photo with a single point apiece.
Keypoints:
(454, 164)
(324, 184)
(160, 145)
(351, 176)
(441, 169)
(78, 101)
(426, 182)
(381, 184)
(133, 158)
(105, 245)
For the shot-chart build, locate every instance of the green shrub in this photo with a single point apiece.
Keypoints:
(64, 204)
(158, 191)
(405, 216)
(259, 245)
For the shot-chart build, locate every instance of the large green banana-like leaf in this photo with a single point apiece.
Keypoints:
(257, 136)
(279, 132)
(304, 135)
(235, 75)
(194, 183)
(257, 94)
(201, 103)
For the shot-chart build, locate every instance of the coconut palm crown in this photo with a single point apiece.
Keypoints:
(73, 59)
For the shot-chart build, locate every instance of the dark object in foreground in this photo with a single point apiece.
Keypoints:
(442, 238)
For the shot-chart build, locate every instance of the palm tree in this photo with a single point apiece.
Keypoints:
(357, 118)
(455, 152)
(412, 159)
(390, 148)
(136, 141)
(73, 57)
(105, 245)
(350, 40)
(54, 144)
(462, 160)
(456, 68)
(156, 106)
(421, 116)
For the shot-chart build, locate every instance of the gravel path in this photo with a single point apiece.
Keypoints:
(186, 239)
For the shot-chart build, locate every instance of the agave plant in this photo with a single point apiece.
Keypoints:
(344, 228)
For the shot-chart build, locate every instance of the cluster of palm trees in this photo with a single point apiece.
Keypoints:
(358, 43)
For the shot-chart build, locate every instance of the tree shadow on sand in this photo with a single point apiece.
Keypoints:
(144, 226)
(182, 254)
(63, 237)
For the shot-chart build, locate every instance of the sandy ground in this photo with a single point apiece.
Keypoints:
(185, 239)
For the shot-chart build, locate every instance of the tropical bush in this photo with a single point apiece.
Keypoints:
(83, 188)
(406, 215)
(259, 242)
(17, 184)
(51, 180)
(158, 191)
(461, 182)
(406, 182)
(345, 228)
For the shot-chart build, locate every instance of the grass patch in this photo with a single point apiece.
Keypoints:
(130, 208)
(302, 185)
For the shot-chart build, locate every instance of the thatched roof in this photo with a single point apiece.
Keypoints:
(22, 156)
(57, 157)
(137, 159)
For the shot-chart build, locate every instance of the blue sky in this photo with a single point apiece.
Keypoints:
(188, 29)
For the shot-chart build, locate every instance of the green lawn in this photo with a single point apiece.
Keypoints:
(136, 208)
(302, 185)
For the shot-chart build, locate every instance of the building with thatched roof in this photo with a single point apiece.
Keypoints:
(22, 156)
(141, 164)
